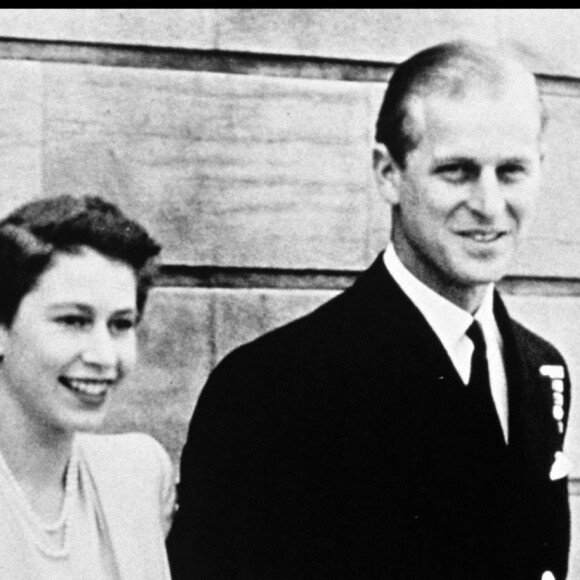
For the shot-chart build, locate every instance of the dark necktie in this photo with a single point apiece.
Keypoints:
(479, 385)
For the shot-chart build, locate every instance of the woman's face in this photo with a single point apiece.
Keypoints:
(71, 343)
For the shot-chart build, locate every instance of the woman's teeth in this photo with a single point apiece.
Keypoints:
(93, 387)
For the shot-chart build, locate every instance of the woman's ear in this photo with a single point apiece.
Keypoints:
(387, 174)
(3, 341)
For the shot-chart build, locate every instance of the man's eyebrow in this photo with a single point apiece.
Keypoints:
(516, 161)
(441, 162)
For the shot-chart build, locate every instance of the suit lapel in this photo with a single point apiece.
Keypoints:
(529, 402)
(410, 384)
(396, 347)
(410, 439)
(398, 351)
(397, 339)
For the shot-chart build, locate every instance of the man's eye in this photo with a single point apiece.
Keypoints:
(74, 321)
(511, 172)
(454, 172)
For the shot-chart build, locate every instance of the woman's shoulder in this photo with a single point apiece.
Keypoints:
(132, 476)
(123, 453)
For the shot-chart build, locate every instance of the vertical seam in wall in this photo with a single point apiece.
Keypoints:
(368, 197)
(212, 335)
(498, 26)
(215, 25)
(43, 142)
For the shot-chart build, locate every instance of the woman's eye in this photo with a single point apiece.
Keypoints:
(74, 321)
(122, 325)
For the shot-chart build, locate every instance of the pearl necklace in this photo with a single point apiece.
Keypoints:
(44, 534)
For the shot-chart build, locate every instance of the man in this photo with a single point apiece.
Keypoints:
(384, 435)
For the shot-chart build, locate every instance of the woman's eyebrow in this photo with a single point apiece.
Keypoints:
(66, 305)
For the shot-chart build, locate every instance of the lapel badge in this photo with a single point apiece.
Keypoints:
(561, 467)
(552, 371)
(556, 375)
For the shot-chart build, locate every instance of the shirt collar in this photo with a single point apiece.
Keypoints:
(486, 318)
(448, 321)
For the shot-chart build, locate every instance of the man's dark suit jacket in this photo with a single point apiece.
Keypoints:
(343, 446)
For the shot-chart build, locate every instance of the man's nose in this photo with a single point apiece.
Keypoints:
(100, 349)
(487, 196)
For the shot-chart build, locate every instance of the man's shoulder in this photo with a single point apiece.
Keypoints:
(337, 323)
(536, 347)
(297, 339)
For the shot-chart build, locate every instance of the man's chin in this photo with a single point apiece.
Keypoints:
(481, 277)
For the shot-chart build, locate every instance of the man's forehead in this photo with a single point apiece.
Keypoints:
(512, 107)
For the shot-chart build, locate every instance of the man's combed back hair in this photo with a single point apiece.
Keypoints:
(32, 234)
(448, 69)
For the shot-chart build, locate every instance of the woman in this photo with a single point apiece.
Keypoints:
(74, 275)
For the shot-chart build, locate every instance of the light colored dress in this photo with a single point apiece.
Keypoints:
(120, 496)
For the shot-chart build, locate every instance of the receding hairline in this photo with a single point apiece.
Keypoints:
(451, 71)
(514, 92)
(473, 62)
(475, 68)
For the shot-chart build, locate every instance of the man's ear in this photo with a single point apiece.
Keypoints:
(543, 150)
(387, 174)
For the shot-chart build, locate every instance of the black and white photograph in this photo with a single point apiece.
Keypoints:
(289, 294)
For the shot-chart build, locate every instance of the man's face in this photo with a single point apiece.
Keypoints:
(468, 188)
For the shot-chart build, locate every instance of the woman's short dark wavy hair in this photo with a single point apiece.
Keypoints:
(33, 234)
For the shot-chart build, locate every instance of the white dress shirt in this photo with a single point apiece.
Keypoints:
(450, 323)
